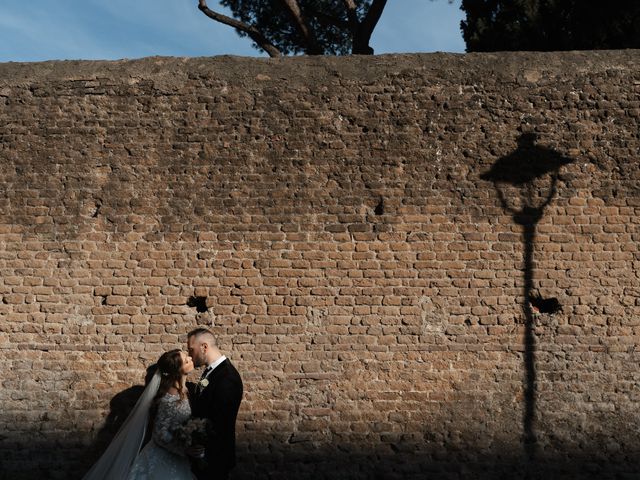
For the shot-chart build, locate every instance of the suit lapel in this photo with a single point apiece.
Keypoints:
(211, 378)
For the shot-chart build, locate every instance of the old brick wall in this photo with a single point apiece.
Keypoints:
(334, 221)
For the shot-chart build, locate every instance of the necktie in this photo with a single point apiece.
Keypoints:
(205, 372)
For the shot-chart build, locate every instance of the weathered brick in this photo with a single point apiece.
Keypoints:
(343, 245)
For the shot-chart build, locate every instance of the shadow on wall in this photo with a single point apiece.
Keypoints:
(119, 408)
(269, 455)
(526, 181)
(57, 459)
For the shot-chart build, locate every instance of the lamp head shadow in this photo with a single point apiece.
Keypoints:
(526, 163)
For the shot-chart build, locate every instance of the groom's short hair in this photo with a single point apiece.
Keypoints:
(198, 332)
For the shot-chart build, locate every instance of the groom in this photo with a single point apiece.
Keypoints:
(217, 398)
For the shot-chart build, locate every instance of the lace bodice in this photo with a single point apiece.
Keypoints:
(171, 415)
(164, 457)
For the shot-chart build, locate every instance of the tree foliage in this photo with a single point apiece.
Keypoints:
(547, 25)
(312, 27)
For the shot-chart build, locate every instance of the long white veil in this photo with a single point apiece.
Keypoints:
(115, 462)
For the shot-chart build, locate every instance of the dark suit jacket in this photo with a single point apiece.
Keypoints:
(219, 402)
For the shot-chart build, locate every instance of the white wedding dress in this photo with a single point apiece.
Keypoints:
(163, 458)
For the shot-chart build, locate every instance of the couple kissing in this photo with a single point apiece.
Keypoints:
(192, 425)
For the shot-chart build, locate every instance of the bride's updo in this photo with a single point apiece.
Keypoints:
(169, 365)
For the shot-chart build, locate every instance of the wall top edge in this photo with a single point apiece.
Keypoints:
(325, 68)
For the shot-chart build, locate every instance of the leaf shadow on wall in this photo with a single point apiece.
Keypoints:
(526, 181)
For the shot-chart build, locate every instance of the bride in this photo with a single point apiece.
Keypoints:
(165, 401)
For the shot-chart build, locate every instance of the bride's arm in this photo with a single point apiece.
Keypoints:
(166, 425)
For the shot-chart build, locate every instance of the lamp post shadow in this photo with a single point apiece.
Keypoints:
(525, 169)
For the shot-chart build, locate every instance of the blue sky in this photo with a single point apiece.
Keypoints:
(34, 30)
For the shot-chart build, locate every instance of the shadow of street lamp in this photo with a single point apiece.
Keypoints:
(521, 180)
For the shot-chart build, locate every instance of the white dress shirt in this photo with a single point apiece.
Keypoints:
(213, 366)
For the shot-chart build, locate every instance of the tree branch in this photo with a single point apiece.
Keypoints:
(251, 31)
(363, 36)
(354, 23)
(303, 27)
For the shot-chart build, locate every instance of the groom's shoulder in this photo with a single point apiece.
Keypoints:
(231, 366)
(231, 372)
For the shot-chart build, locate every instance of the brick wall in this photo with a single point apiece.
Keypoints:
(334, 220)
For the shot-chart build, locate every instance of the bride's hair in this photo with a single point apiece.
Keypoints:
(169, 365)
